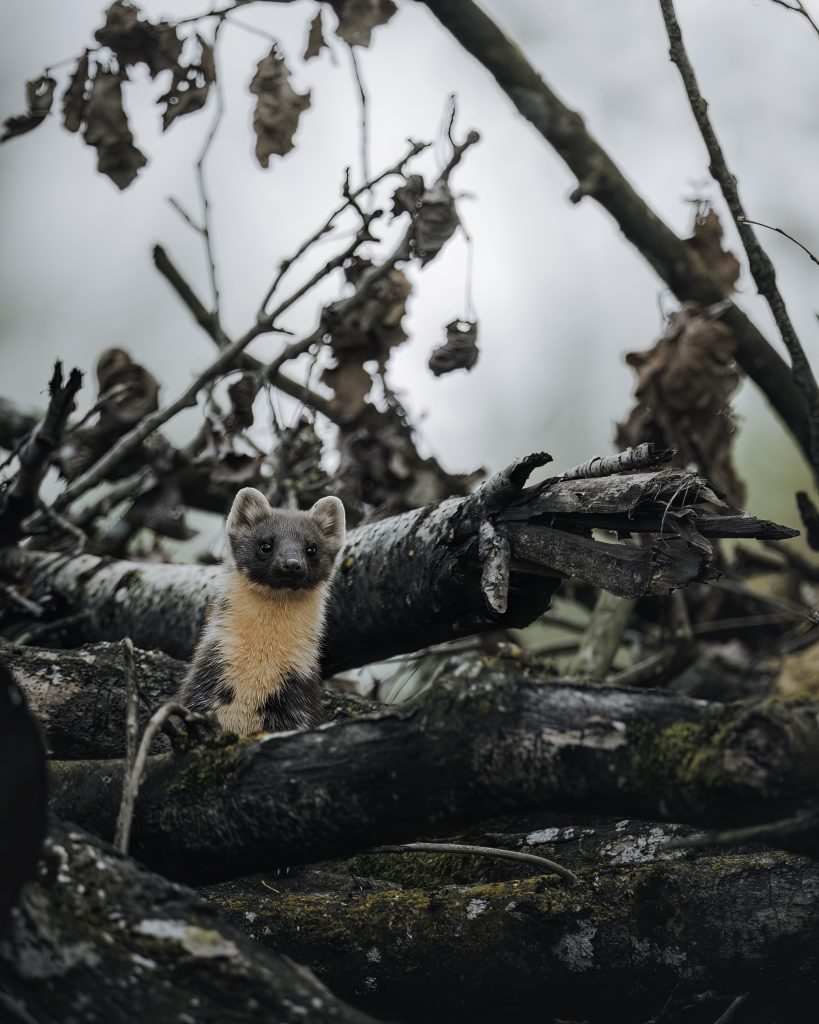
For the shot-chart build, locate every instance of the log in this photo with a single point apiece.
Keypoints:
(79, 696)
(23, 798)
(95, 937)
(419, 578)
(479, 742)
(624, 938)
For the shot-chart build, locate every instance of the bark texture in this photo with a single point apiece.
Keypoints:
(95, 937)
(609, 949)
(79, 696)
(479, 742)
(489, 561)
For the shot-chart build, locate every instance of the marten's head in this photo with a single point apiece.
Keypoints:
(283, 549)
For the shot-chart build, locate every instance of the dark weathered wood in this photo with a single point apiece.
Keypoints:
(610, 949)
(98, 938)
(23, 798)
(479, 742)
(414, 579)
(79, 698)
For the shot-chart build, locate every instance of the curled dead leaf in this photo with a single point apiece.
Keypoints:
(136, 41)
(373, 327)
(278, 107)
(459, 351)
(435, 221)
(190, 86)
(358, 18)
(75, 97)
(315, 38)
(39, 97)
(242, 393)
(106, 129)
(126, 391)
(684, 388)
(706, 242)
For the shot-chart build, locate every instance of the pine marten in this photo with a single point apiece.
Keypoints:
(256, 663)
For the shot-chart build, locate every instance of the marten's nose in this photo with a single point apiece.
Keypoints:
(293, 567)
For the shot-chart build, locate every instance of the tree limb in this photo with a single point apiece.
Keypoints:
(599, 177)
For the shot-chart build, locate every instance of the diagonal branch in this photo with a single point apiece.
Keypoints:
(599, 177)
(762, 270)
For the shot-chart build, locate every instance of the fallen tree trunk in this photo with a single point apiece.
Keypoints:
(97, 938)
(489, 561)
(79, 696)
(477, 743)
(23, 798)
(625, 937)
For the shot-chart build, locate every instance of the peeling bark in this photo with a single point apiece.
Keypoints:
(95, 937)
(478, 743)
(534, 949)
(416, 579)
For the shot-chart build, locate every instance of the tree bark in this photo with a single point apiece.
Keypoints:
(97, 938)
(609, 949)
(478, 743)
(424, 577)
(79, 696)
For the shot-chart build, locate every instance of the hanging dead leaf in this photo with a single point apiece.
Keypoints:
(706, 242)
(39, 97)
(373, 328)
(315, 38)
(358, 18)
(351, 384)
(459, 351)
(190, 86)
(126, 391)
(435, 221)
(278, 107)
(76, 95)
(684, 387)
(407, 197)
(106, 129)
(136, 41)
(242, 393)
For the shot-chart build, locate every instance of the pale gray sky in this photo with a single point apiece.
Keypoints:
(560, 295)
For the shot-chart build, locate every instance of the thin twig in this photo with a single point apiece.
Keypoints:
(779, 231)
(131, 737)
(749, 834)
(200, 177)
(286, 264)
(365, 135)
(798, 9)
(20, 599)
(762, 270)
(481, 851)
(132, 780)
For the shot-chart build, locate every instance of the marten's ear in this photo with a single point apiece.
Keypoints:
(329, 516)
(249, 506)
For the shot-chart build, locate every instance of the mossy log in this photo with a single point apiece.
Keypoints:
(468, 748)
(95, 937)
(610, 949)
(79, 695)
(488, 561)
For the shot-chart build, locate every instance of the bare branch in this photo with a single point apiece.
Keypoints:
(779, 231)
(798, 8)
(544, 863)
(762, 270)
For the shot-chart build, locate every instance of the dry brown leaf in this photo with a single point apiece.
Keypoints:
(706, 242)
(435, 221)
(129, 391)
(373, 328)
(39, 97)
(106, 129)
(459, 351)
(135, 41)
(684, 387)
(75, 97)
(242, 393)
(190, 86)
(315, 38)
(358, 18)
(278, 107)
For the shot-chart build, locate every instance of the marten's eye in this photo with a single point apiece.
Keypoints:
(265, 546)
(311, 550)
